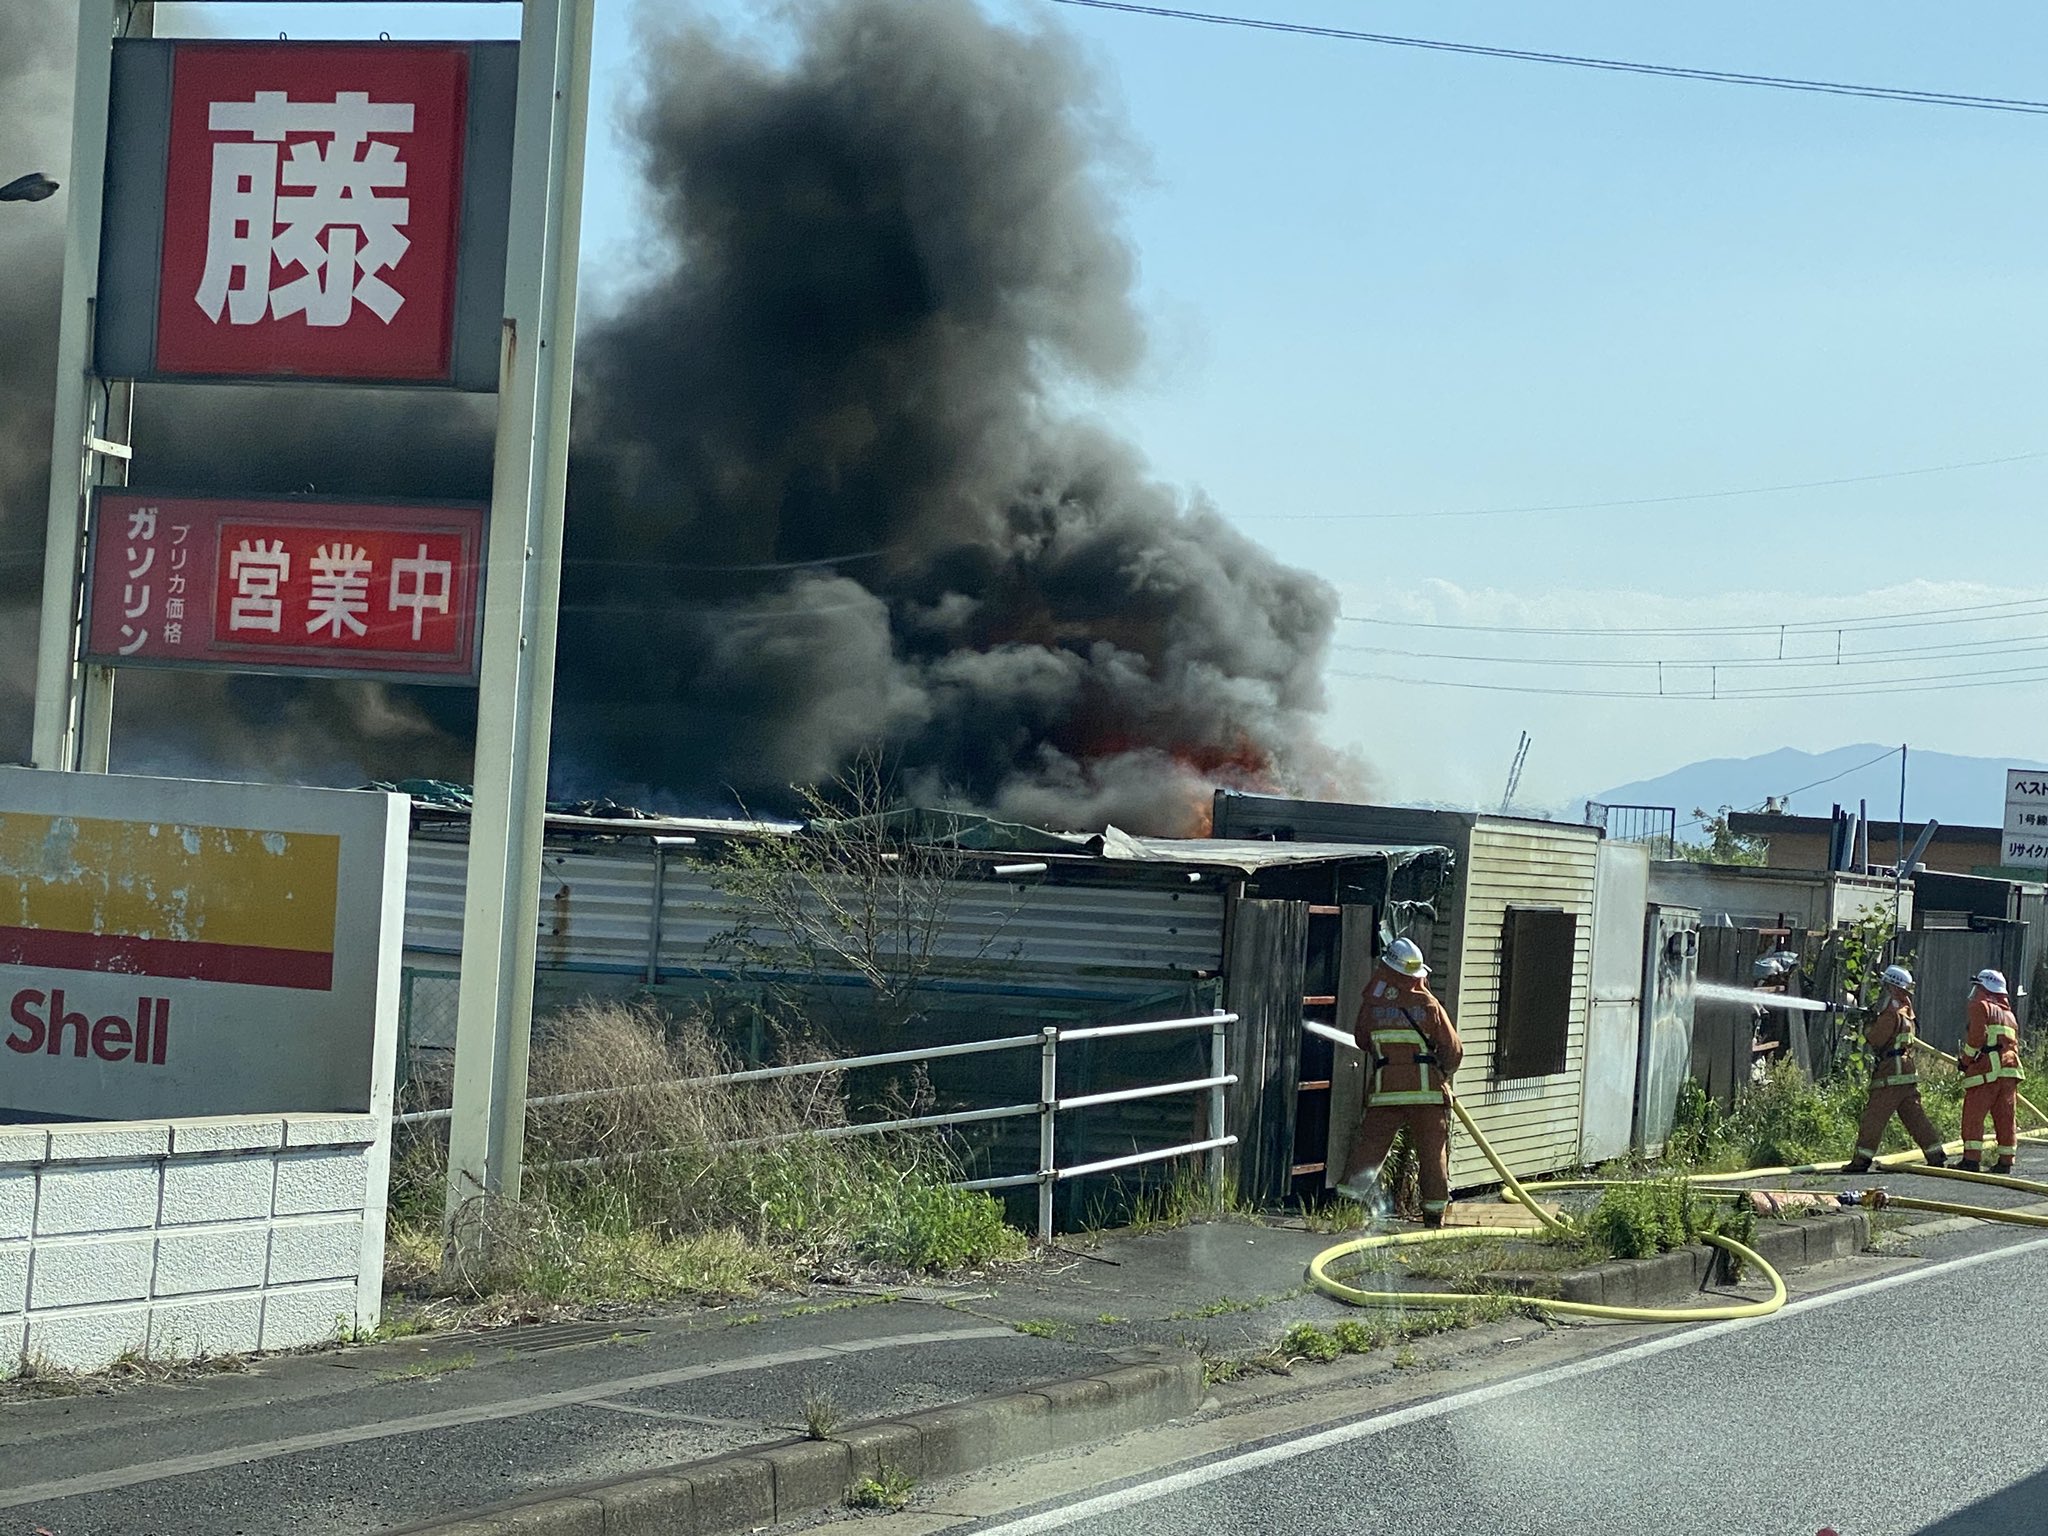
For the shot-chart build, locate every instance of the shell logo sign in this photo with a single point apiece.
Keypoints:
(169, 947)
(153, 900)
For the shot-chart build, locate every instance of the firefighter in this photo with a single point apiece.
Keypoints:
(1894, 1076)
(1411, 1051)
(1992, 1074)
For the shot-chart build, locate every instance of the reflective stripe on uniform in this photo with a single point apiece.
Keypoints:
(1905, 1075)
(1380, 1036)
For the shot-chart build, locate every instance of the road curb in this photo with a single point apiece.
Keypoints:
(768, 1484)
(1684, 1272)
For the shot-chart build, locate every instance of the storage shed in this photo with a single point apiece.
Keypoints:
(1510, 943)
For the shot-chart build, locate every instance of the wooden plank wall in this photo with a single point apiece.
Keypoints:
(1266, 949)
(1532, 1122)
(1347, 1077)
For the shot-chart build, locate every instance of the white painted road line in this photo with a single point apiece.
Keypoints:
(478, 1413)
(1308, 1445)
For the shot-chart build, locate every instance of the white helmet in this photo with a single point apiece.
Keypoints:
(1992, 982)
(1405, 957)
(1898, 976)
(1766, 967)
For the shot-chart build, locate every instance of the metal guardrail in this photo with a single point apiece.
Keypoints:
(1048, 1175)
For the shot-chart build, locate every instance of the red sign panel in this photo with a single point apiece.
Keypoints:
(312, 205)
(285, 586)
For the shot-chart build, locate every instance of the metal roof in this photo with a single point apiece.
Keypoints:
(1109, 848)
(1253, 854)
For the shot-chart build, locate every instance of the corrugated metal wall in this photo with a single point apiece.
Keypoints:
(597, 912)
(1533, 1123)
(1945, 960)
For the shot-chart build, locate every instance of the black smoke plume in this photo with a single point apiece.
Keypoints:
(825, 497)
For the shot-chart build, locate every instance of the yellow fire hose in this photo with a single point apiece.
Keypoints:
(1513, 1189)
(1909, 1161)
(1880, 1199)
(1319, 1267)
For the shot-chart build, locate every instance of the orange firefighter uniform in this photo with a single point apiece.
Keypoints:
(1894, 1084)
(1411, 1050)
(1992, 1075)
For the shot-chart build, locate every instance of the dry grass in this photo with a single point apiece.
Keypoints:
(664, 1190)
(39, 1378)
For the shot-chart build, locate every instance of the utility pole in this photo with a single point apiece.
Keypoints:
(1899, 872)
(90, 436)
(523, 578)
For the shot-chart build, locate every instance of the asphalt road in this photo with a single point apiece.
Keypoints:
(1903, 1407)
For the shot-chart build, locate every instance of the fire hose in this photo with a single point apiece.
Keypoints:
(1320, 1277)
(1514, 1189)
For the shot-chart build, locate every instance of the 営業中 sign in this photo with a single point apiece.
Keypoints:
(335, 588)
(173, 947)
(306, 211)
(2025, 845)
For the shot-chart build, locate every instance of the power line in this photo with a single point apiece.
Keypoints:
(1579, 61)
(1889, 752)
(1638, 501)
(1946, 651)
(1915, 618)
(1714, 693)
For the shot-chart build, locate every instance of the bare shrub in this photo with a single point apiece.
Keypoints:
(645, 1181)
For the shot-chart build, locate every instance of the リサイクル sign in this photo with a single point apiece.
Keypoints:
(172, 947)
(336, 588)
(2025, 845)
(306, 211)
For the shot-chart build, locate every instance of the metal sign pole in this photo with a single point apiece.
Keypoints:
(494, 1010)
(60, 678)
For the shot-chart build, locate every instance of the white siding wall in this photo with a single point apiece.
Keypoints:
(176, 1238)
(1532, 1122)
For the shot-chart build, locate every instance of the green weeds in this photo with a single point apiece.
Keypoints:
(1364, 1335)
(1651, 1216)
(1044, 1328)
(1187, 1197)
(891, 1490)
(821, 1413)
(429, 1370)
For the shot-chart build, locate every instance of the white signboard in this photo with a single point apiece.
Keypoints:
(173, 947)
(2026, 819)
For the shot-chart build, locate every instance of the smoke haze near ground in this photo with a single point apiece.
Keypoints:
(823, 498)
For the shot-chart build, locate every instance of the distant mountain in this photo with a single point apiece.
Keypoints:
(1959, 791)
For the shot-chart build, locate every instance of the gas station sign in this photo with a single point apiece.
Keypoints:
(331, 588)
(349, 213)
(328, 211)
(171, 947)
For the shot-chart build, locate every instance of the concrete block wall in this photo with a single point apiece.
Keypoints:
(177, 1238)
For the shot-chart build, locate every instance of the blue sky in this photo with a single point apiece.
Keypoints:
(1388, 282)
